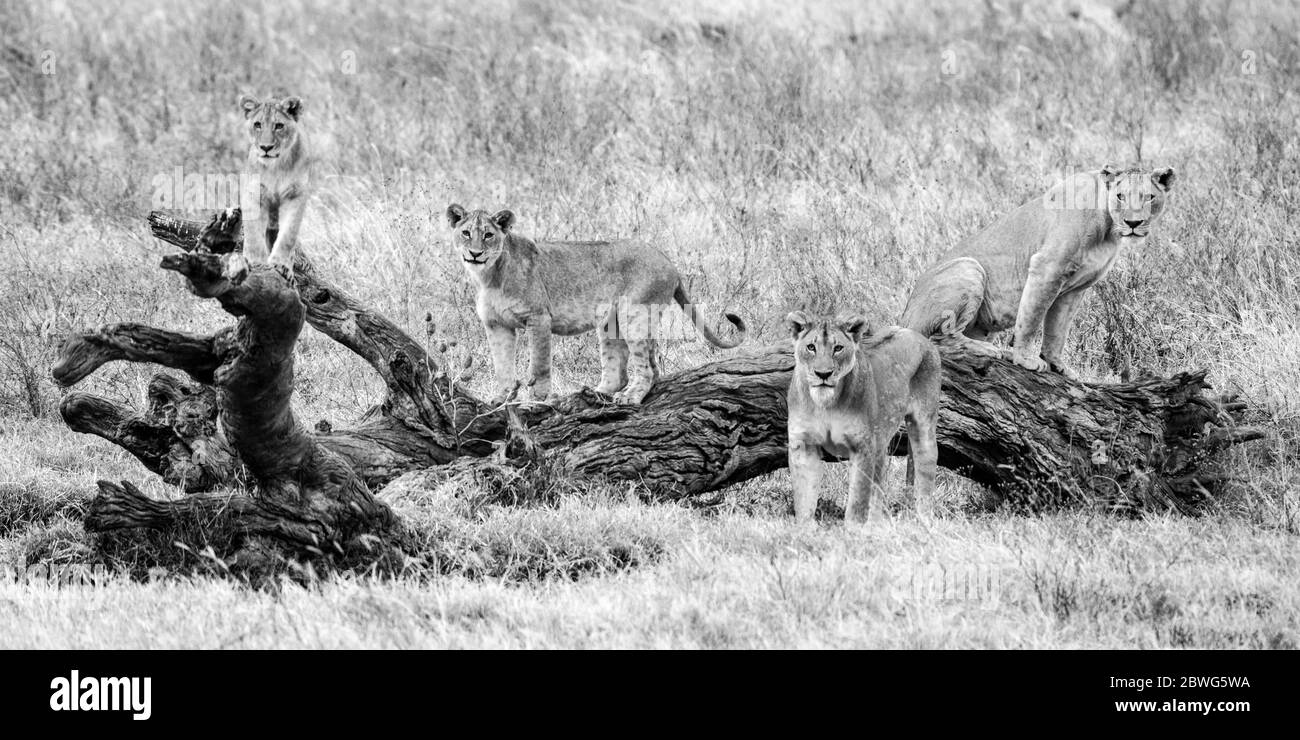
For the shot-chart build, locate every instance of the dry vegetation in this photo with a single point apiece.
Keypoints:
(785, 154)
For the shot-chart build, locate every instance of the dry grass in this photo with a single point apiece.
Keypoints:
(783, 154)
(742, 581)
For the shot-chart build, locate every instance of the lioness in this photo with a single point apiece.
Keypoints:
(850, 391)
(278, 169)
(569, 288)
(1030, 268)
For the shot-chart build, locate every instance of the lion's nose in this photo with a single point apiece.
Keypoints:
(474, 254)
(1133, 224)
(267, 147)
(823, 374)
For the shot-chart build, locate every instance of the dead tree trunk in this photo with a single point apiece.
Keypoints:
(305, 493)
(1034, 438)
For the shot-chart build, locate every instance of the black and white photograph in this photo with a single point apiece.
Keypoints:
(646, 325)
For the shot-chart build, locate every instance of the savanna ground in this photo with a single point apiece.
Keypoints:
(785, 154)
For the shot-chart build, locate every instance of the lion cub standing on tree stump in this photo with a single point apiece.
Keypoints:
(278, 170)
(850, 391)
(569, 288)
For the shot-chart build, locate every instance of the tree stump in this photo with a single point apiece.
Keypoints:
(304, 492)
(1034, 438)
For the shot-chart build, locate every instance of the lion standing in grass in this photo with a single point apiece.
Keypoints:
(1029, 270)
(850, 392)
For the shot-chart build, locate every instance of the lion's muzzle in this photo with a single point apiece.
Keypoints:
(1135, 228)
(822, 395)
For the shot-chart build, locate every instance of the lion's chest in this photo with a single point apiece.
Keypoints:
(836, 432)
(273, 184)
(1091, 265)
(497, 308)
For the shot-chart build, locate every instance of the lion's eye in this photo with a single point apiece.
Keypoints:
(257, 125)
(488, 235)
(279, 126)
(1149, 197)
(1119, 197)
(839, 348)
(465, 233)
(812, 348)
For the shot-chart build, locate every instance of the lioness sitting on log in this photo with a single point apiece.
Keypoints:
(850, 391)
(569, 288)
(1030, 268)
(279, 166)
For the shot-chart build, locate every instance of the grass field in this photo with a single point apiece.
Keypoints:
(785, 154)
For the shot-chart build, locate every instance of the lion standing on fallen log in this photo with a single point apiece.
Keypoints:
(1030, 268)
(570, 288)
(280, 166)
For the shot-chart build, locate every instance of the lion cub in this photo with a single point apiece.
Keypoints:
(850, 391)
(569, 288)
(278, 169)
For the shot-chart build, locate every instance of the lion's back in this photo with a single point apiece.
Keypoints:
(606, 268)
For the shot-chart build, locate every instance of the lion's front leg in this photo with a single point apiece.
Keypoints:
(805, 477)
(255, 222)
(866, 471)
(1042, 288)
(286, 238)
(539, 366)
(1056, 329)
(501, 341)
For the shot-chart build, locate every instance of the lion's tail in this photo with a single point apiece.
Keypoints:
(703, 327)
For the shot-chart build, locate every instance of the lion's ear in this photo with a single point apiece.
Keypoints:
(798, 321)
(248, 104)
(855, 325)
(292, 106)
(1108, 173)
(455, 214)
(1165, 178)
(504, 220)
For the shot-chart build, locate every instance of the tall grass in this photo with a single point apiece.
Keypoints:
(782, 153)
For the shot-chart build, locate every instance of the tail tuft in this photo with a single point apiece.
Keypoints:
(702, 326)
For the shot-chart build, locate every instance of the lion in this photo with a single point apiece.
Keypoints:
(570, 288)
(278, 174)
(850, 392)
(1029, 269)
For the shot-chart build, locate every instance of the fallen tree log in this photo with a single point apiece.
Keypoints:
(1033, 438)
(304, 492)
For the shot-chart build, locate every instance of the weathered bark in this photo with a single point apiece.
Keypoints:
(305, 492)
(175, 436)
(1040, 438)
(1034, 438)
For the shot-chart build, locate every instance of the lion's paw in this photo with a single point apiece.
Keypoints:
(609, 388)
(1029, 362)
(631, 396)
(504, 394)
(1060, 369)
